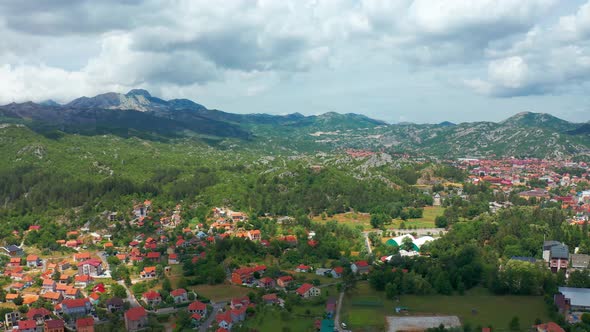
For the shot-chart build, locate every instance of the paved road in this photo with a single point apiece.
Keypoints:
(337, 316)
(130, 298)
(205, 325)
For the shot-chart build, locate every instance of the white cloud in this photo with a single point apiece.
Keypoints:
(190, 48)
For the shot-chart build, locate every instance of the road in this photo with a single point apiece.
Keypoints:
(130, 298)
(337, 324)
(367, 242)
(205, 325)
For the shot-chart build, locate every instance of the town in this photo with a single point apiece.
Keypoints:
(232, 271)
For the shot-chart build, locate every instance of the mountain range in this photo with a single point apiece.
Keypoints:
(139, 114)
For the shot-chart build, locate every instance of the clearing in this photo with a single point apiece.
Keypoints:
(365, 309)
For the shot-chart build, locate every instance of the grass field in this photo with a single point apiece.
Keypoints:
(364, 219)
(492, 310)
(271, 319)
(427, 220)
(350, 218)
(220, 292)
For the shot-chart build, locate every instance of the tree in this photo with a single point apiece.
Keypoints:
(441, 221)
(166, 285)
(118, 291)
(514, 324)
(18, 300)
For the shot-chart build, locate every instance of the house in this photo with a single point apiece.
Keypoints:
(198, 307)
(27, 326)
(148, 272)
(308, 290)
(360, 267)
(436, 201)
(152, 298)
(224, 320)
(153, 256)
(55, 325)
(76, 307)
(179, 295)
(284, 281)
(337, 272)
(266, 282)
(91, 267)
(331, 307)
(53, 297)
(136, 319)
(245, 275)
(11, 318)
(33, 261)
(303, 268)
(82, 256)
(239, 302)
(83, 280)
(49, 285)
(573, 299)
(14, 262)
(238, 314)
(38, 314)
(13, 251)
(579, 261)
(254, 235)
(270, 298)
(548, 327)
(172, 259)
(558, 257)
(114, 304)
(85, 324)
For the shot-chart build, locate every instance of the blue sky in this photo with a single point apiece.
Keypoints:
(397, 60)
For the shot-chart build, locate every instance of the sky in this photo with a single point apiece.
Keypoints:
(423, 61)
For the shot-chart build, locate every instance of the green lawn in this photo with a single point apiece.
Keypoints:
(349, 218)
(364, 220)
(272, 320)
(491, 309)
(427, 220)
(220, 292)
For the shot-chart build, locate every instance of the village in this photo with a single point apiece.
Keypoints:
(151, 279)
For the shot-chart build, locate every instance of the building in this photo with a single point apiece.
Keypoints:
(91, 267)
(198, 307)
(11, 318)
(267, 283)
(559, 257)
(114, 304)
(13, 251)
(152, 298)
(308, 290)
(573, 299)
(148, 272)
(77, 307)
(33, 261)
(360, 267)
(548, 327)
(85, 324)
(179, 295)
(284, 281)
(55, 325)
(580, 261)
(38, 314)
(27, 326)
(136, 319)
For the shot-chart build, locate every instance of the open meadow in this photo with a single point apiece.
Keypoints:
(365, 309)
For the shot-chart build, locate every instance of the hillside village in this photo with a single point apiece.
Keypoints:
(152, 281)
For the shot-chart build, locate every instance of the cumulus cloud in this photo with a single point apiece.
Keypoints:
(62, 49)
(550, 59)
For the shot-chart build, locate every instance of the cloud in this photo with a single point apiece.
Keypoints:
(554, 59)
(501, 48)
